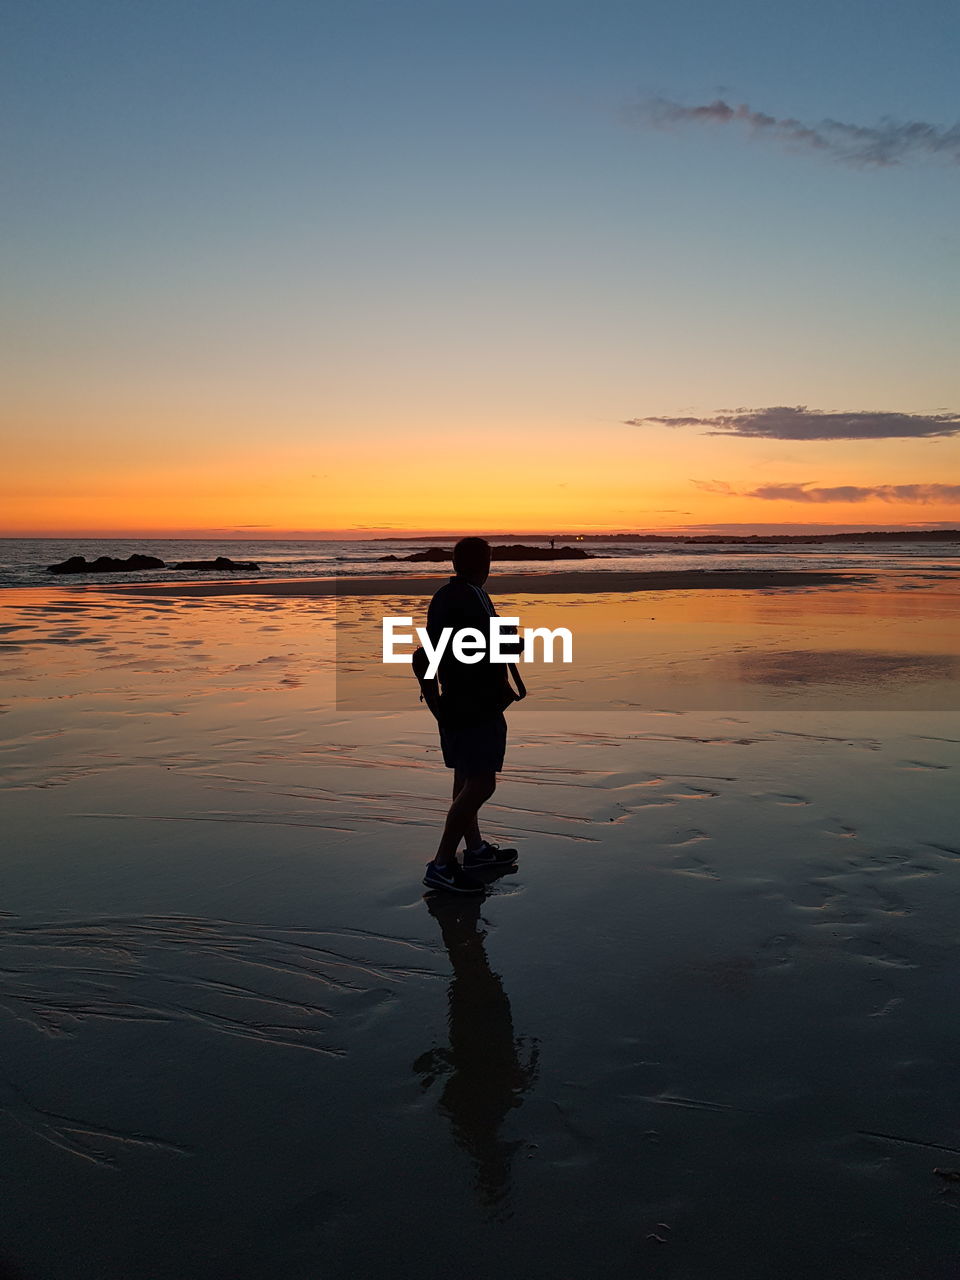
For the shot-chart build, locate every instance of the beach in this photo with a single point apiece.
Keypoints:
(575, 582)
(323, 321)
(707, 1028)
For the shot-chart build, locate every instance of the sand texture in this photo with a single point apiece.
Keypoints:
(707, 1029)
(558, 582)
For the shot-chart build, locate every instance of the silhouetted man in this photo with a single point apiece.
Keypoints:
(473, 729)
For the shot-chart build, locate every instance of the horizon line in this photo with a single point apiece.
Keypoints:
(739, 528)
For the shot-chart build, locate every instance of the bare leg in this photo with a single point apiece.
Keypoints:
(471, 833)
(475, 790)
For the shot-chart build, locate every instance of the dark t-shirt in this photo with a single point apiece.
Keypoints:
(479, 687)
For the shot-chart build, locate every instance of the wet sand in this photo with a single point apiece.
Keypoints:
(579, 582)
(707, 1029)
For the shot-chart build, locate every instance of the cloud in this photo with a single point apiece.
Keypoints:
(783, 422)
(890, 142)
(913, 494)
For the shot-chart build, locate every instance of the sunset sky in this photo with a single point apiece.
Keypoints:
(337, 266)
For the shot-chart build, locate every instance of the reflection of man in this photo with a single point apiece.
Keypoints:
(487, 1077)
(473, 730)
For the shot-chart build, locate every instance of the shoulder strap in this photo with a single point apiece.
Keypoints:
(484, 599)
(521, 687)
(489, 608)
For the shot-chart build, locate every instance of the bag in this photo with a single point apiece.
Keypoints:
(446, 709)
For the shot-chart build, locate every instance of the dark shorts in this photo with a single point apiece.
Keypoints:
(475, 748)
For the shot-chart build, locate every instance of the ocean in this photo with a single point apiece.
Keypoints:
(24, 561)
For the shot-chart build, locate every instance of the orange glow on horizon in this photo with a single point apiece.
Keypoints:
(524, 478)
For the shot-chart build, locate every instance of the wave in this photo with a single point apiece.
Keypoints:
(23, 562)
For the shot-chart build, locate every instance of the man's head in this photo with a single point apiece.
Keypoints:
(471, 560)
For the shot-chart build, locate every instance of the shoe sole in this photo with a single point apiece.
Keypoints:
(499, 862)
(451, 888)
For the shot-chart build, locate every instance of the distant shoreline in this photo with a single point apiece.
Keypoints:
(695, 539)
(582, 582)
(704, 539)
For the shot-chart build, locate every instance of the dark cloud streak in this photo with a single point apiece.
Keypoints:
(891, 142)
(784, 422)
(914, 494)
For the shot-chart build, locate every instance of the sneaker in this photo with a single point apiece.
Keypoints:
(489, 855)
(451, 877)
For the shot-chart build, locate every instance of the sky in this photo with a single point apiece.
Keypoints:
(352, 267)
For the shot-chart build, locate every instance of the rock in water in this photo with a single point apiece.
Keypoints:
(221, 564)
(105, 564)
(515, 551)
(434, 554)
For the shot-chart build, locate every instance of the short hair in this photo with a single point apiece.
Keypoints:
(470, 554)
